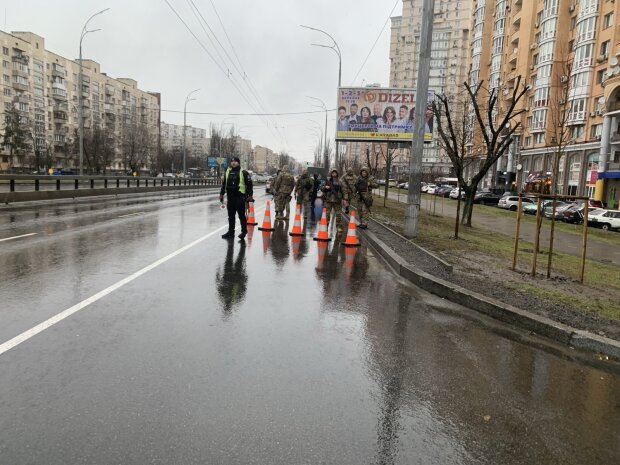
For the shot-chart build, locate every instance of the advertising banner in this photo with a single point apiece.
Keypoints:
(379, 114)
(214, 162)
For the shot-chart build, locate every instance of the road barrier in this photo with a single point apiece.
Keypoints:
(24, 188)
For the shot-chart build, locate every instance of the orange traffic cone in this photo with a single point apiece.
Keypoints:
(297, 224)
(267, 220)
(251, 218)
(322, 246)
(351, 239)
(322, 235)
(349, 256)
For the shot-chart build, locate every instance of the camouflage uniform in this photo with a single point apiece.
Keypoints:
(348, 188)
(303, 189)
(333, 198)
(363, 190)
(283, 185)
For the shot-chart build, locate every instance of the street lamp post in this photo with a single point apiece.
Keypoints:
(325, 154)
(187, 100)
(336, 50)
(80, 83)
(320, 134)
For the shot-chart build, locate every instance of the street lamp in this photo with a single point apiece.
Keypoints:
(325, 154)
(187, 100)
(336, 48)
(80, 83)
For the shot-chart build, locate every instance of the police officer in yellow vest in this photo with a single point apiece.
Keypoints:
(237, 185)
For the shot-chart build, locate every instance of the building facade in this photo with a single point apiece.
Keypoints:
(196, 141)
(42, 87)
(265, 160)
(450, 57)
(567, 53)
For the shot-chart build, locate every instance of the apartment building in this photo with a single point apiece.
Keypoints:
(265, 160)
(43, 87)
(450, 57)
(567, 52)
(196, 141)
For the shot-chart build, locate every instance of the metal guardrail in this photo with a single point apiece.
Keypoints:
(36, 183)
(24, 188)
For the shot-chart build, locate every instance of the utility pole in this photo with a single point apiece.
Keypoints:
(80, 90)
(187, 100)
(417, 144)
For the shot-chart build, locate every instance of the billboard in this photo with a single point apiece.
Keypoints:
(214, 162)
(379, 114)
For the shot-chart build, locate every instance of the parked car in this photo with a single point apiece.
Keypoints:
(430, 189)
(559, 208)
(574, 214)
(454, 194)
(443, 191)
(403, 185)
(605, 219)
(486, 198)
(511, 202)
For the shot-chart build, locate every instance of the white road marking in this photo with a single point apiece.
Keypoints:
(131, 214)
(17, 237)
(11, 343)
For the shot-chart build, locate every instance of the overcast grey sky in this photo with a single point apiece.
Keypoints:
(144, 40)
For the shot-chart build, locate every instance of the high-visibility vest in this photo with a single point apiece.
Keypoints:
(241, 180)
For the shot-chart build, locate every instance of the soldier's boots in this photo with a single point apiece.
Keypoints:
(228, 235)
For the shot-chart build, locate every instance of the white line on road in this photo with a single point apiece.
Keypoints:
(11, 343)
(17, 237)
(131, 214)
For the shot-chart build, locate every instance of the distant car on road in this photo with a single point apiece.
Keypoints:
(427, 187)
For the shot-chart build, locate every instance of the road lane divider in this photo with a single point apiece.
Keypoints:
(17, 237)
(131, 214)
(30, 333)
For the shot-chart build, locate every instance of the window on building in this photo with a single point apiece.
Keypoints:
(576, 132)
(7, 92)
(539, 138)
(608, 20)
(6, 64)
(605, 49)
(596, 131)
(6, 78)
(600, 76)
(5, 50)
(528, 141)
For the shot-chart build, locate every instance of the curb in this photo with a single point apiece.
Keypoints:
(579, 339)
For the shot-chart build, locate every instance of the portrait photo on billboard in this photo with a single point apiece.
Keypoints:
(379, 114)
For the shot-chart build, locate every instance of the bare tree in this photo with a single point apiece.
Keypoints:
(374, 152)
(16, 136)
(454, 127)
(388, 155)
(493, 126)
(137, 144)
(560, 110)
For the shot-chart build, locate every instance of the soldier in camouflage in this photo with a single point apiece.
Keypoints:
(283, 185)
(348, 188)
(333, 198)
(363, 190)
(303, 189)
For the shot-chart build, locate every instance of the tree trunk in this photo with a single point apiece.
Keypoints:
(458, 213)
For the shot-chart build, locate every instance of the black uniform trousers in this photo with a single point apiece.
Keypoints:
(236, 206)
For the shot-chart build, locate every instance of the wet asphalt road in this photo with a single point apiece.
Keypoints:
(270, 352)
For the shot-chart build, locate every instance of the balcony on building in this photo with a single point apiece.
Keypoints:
(537, 126)
(58, 70)
(576, 118)
(590, 10)
(615, 138)
(60, 117)
(20, 86)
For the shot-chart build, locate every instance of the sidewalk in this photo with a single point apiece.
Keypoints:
(597, 250)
